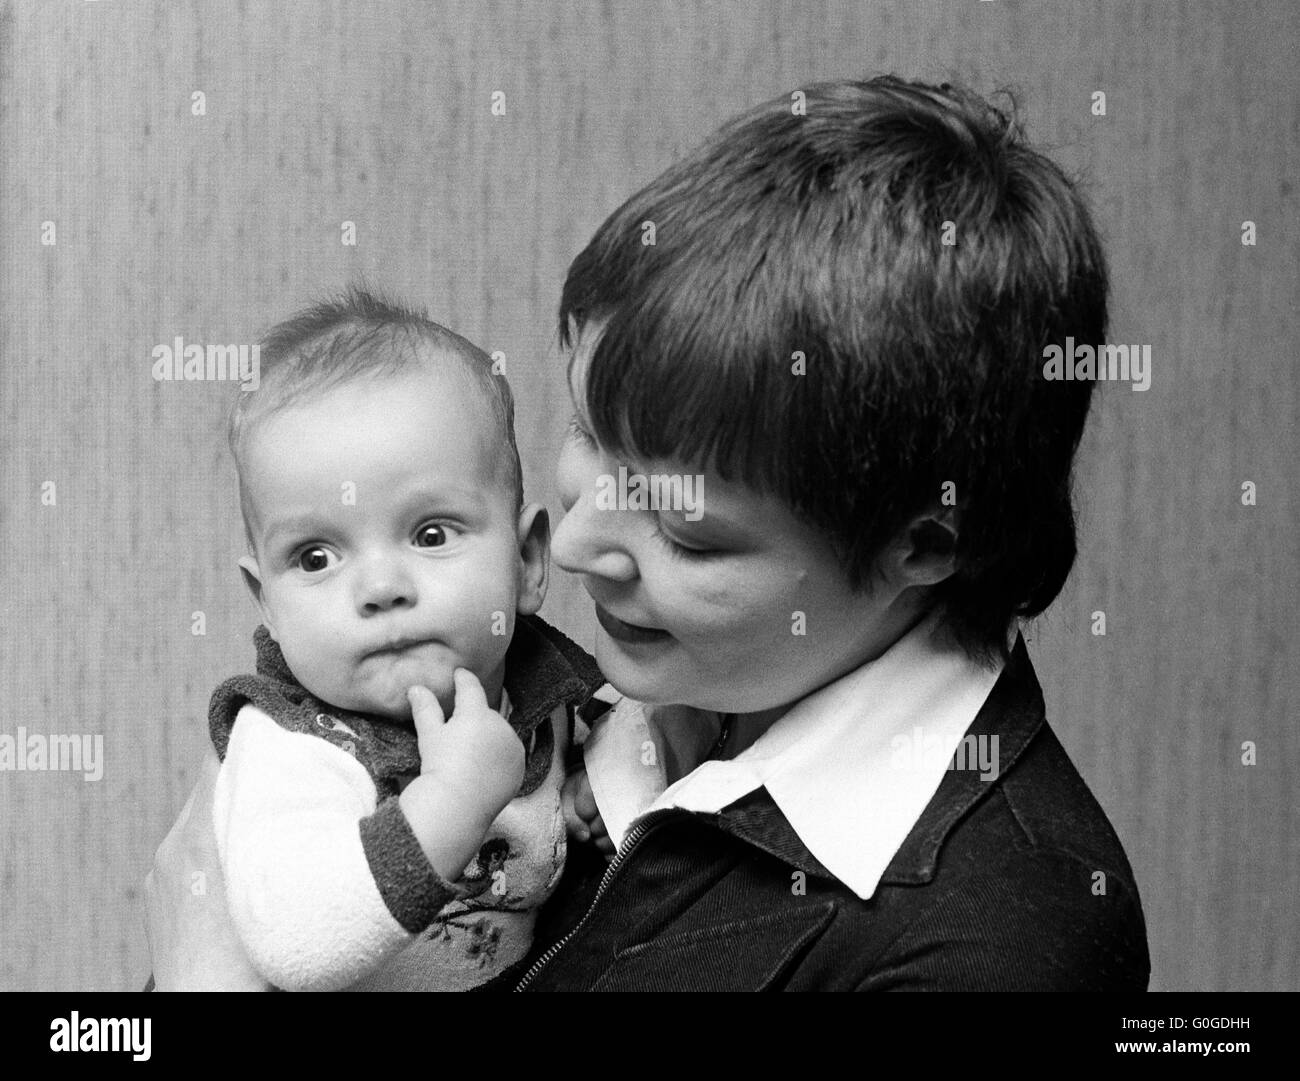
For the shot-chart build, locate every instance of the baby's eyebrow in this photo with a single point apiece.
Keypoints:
(297, 525)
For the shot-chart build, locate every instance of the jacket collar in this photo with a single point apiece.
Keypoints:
(1013, 711)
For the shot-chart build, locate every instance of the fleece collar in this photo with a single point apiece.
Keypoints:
(543, 670)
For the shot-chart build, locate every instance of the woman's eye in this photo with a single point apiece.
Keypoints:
(314, 559)
(680, 550)
(430, 536)
(578, 432)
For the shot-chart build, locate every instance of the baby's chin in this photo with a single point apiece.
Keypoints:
(385, 694)
(393, 701)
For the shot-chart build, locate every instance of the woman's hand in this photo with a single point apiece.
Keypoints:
(192, 941)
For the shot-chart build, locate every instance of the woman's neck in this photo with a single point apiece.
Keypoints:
(745, 729)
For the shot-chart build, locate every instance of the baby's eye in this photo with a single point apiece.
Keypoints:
(314, 559)
(430, 536)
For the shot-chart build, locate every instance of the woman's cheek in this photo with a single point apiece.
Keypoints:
(715, 605)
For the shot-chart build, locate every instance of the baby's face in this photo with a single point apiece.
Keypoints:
(389, 546)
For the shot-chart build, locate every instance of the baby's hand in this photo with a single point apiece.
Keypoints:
(471, 766)
(581, 816)
(474, 752)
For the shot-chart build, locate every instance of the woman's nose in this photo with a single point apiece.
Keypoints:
(587, 542)
(383, 583)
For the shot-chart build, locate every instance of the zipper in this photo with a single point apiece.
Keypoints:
(620, 857)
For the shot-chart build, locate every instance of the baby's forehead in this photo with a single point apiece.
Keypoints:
(425, 376)
(436, 392)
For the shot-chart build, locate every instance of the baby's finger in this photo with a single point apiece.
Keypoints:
(597, 827)
(428, 718)
(605, 845)
(470, 696)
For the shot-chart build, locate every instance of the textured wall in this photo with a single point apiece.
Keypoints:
(211, 226)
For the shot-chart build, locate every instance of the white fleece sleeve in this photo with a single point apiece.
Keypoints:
(298, 882)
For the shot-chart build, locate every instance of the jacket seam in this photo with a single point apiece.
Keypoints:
(1038, 846)
(1127, 895)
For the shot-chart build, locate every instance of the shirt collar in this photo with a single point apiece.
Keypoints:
(850, 770)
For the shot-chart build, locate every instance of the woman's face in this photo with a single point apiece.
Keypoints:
(740, 608)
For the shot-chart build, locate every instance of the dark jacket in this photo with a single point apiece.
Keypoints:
(1015, 883)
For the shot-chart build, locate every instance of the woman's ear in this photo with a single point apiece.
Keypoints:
(253, 579)
(926, 551)
(534, 558)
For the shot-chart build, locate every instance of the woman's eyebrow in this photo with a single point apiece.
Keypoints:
(579, 407)
(568, 380)
(709, 526)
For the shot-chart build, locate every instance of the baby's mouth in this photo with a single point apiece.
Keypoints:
(397, 647)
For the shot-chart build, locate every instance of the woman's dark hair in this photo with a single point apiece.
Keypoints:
(907, 243)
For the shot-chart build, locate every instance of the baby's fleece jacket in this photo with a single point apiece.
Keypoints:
(329, 881)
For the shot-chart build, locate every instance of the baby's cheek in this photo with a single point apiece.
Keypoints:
(485, 625)
(312, 666)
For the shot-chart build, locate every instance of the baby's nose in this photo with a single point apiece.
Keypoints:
(384, 600)
(384, 585)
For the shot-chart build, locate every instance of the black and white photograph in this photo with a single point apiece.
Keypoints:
(735, 495)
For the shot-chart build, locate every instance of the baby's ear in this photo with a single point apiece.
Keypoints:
(534, 558)
(253, 579)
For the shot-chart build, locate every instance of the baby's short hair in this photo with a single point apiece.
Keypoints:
(356, 334)
(906, 246)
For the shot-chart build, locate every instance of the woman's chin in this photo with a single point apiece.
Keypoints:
(636, 677)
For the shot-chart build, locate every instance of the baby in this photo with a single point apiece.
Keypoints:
(388, 807)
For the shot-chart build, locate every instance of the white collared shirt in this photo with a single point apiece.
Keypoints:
(851, 766)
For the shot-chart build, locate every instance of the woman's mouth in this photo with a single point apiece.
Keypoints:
(628, 632)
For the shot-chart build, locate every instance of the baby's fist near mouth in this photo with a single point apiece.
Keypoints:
(474, 751)
(471, 767)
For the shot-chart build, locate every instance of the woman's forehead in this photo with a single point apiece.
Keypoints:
(583, 340)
